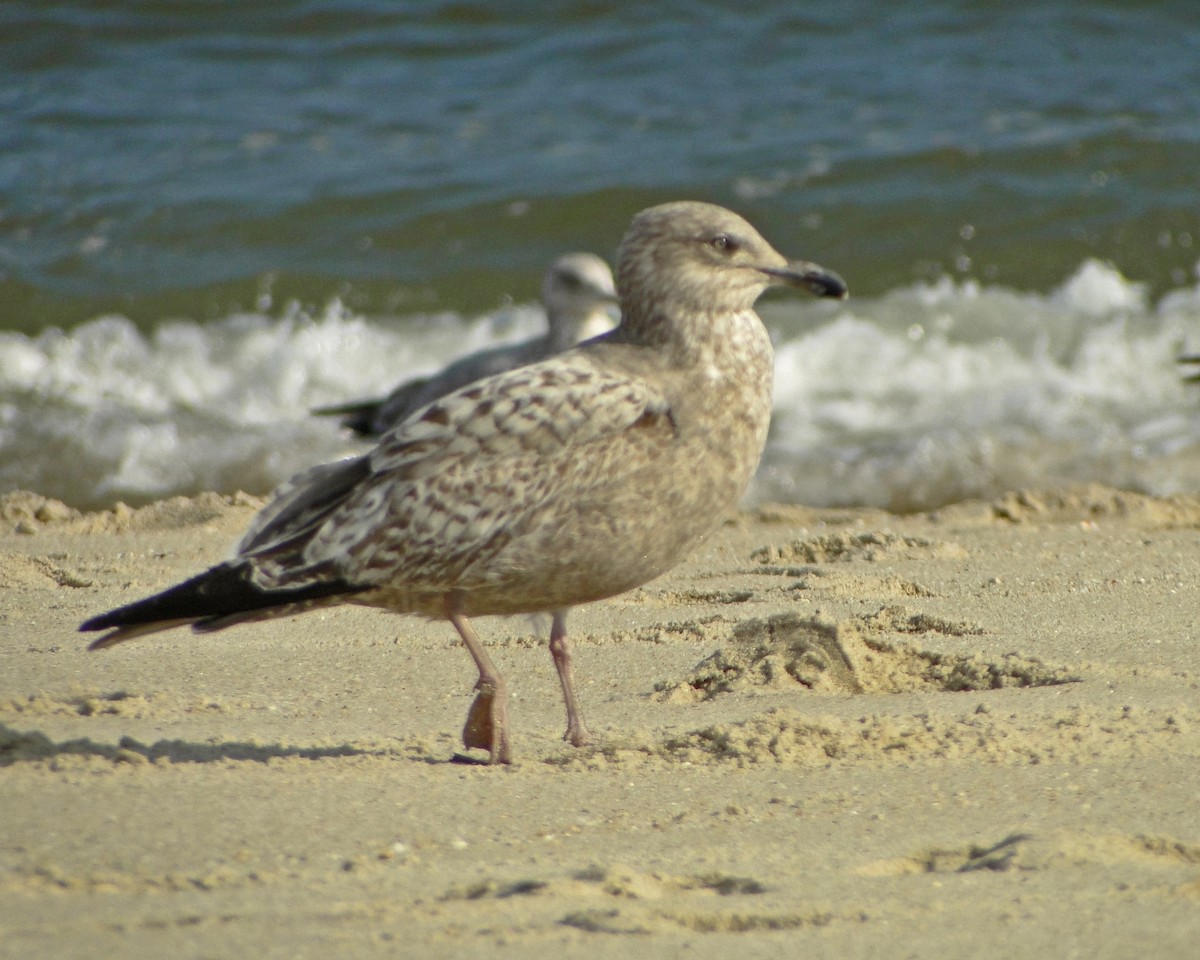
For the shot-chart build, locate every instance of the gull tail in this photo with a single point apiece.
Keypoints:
(218, 598)
(358, 417)
(370, 418)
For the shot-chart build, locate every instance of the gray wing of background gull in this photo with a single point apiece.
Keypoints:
(565, 481)
(576, 291)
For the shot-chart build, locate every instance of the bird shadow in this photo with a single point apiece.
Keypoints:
(18, 746)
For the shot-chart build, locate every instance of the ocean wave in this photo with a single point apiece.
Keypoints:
(928, 394)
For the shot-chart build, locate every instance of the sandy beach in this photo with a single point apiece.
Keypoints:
(829, 733)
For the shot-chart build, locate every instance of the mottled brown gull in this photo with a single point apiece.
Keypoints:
(570, 480)
(577, 289)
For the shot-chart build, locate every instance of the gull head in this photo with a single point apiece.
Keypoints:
(688, 258)
(577, 293)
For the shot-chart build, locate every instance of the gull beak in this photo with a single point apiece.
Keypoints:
(811, 276)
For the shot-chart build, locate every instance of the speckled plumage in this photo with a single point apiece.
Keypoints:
(576, 292)
(570, 480)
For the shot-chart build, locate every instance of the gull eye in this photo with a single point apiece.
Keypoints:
(724, 243)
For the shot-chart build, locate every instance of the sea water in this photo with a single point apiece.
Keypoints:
(927, 394)
(214, 217)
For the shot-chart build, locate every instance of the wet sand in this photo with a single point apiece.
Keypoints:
(828, 734)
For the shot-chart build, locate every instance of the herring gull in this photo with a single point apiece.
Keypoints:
(570, 480)
(575, 292)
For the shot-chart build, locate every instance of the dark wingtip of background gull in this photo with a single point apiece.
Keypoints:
(567, 481)
(576, 292)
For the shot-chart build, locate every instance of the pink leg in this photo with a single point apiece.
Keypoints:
(560, 649)
(487, 720)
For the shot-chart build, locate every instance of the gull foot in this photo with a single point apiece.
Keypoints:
(487, 724)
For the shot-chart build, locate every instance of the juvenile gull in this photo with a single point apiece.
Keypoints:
(575, 292)
(570, 480)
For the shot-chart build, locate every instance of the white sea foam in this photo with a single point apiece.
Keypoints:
(926, 395)
(104, 413)
(946, 391)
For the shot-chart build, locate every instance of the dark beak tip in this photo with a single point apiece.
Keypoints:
(816, 279)
(825, 283)
(831, 286)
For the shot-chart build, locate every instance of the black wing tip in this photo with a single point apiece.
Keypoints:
(200, 596)
(220, 592)
(117, 617)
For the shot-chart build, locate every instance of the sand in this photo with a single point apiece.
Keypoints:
(830, 733)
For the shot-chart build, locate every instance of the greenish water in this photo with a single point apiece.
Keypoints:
(167, 159)
(214, 216)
